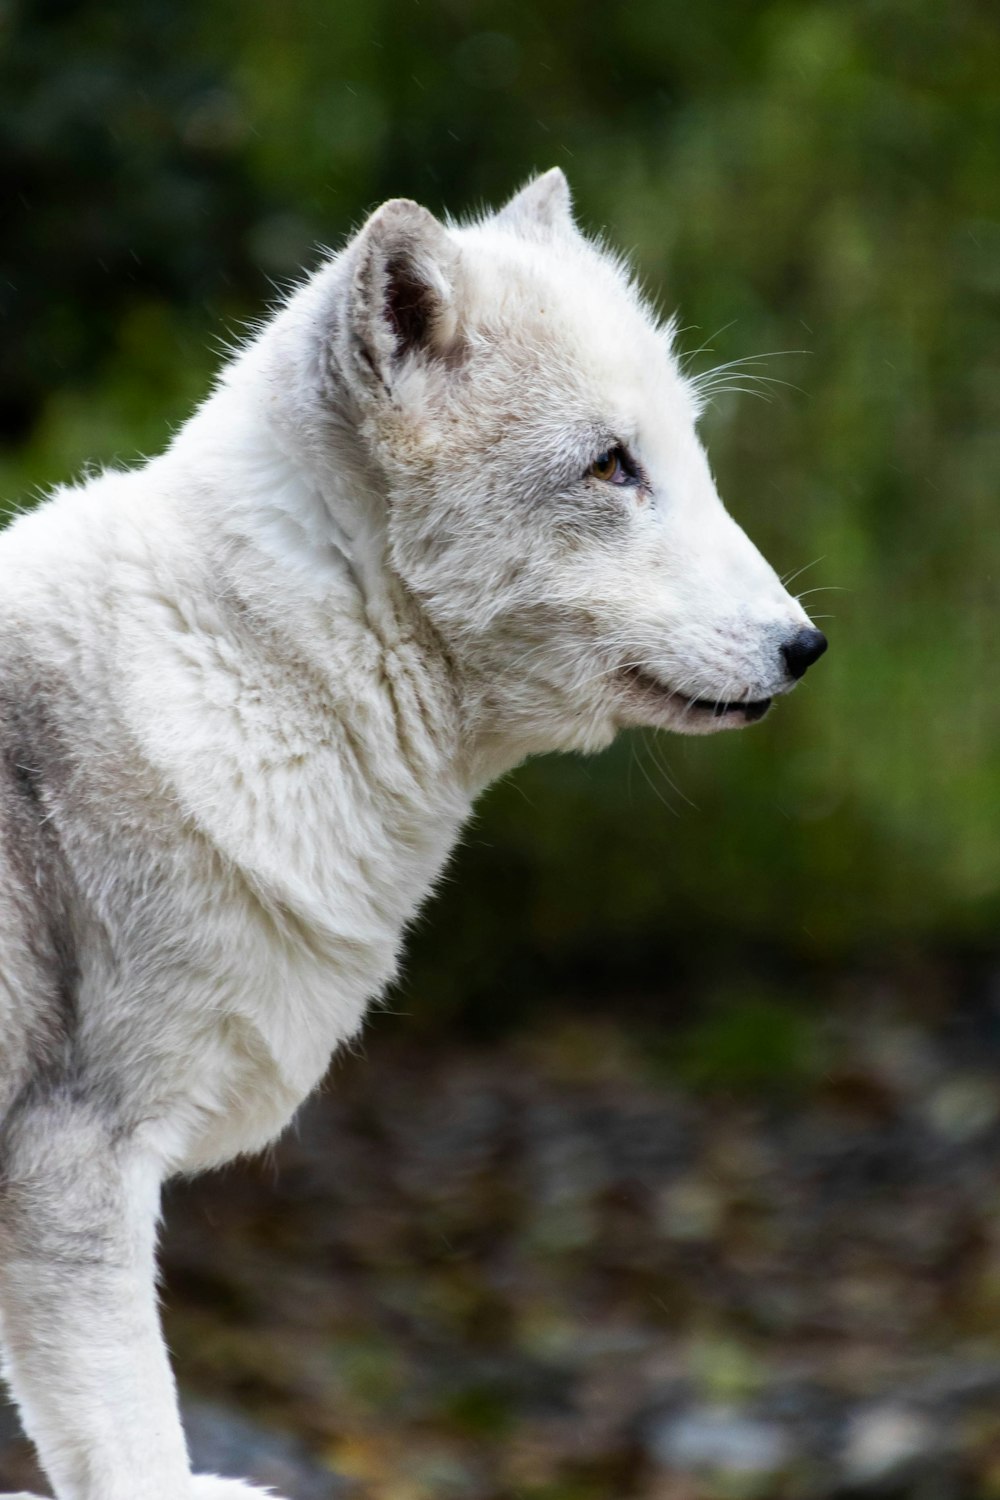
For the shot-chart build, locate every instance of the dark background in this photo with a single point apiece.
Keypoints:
(748, 922)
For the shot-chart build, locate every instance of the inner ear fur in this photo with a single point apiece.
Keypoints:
(402, 295)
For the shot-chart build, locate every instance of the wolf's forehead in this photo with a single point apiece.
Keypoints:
(565, 278)
(566, 351)
(565, 313)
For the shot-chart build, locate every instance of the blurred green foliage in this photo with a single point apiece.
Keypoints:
(744, 1042)
(814, 178)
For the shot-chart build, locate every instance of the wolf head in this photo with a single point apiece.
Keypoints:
(493, 413)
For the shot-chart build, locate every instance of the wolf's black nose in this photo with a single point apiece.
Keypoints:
(802, 650)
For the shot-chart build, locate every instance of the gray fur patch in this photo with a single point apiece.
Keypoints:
(38, 944)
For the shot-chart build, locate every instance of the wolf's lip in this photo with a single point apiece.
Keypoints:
(752, 709)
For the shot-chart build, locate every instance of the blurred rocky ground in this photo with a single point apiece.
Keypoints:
(562, 1268)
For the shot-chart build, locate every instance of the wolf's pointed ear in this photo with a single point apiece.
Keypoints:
(401, 294)
(544, 204)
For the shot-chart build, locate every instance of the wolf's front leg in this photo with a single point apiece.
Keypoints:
(84, 1353)
(205, 1487)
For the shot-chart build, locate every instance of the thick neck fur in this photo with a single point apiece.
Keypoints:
(301, 581)
(290, 500)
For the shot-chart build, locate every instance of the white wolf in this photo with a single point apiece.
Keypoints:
(446, 510)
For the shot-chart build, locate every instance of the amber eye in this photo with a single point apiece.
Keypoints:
(607, 466)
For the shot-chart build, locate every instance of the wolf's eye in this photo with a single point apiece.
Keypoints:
(613, 467)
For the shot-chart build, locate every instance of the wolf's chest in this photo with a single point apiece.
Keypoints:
(261, 1037)
(276, 978)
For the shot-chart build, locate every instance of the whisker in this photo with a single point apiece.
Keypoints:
(747, 375)
(736, 390)
(652, 786)
(706, 346)
(790, 577)
(733, 364)
(659, 761)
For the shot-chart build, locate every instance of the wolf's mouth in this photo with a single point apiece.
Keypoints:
(752, 709)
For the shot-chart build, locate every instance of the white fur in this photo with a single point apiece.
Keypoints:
(369, 574)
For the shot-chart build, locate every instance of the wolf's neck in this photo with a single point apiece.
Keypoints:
(312, 552)
(361, 710)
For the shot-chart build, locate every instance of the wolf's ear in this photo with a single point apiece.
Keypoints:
(542, 205)
(401, 294)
